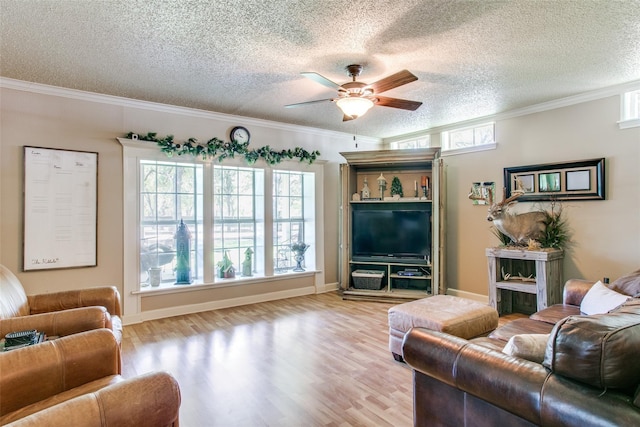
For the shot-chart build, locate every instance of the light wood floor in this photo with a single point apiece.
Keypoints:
(309, 361)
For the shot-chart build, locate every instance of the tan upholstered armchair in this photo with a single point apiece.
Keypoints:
(58, 313)
(75, 381)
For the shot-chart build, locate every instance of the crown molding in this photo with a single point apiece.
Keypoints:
(173, 109)
(193, 112)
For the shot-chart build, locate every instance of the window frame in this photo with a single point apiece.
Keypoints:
(132, 297)
(194, 223)
(445, 138)
(306, 219)
(257, 220)
(419, 142)
(629, 109)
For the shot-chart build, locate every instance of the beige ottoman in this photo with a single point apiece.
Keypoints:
(461, 317)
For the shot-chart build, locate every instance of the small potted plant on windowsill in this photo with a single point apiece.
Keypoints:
(299, 248)
(225, 267)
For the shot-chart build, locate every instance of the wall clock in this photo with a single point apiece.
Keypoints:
(240, 134)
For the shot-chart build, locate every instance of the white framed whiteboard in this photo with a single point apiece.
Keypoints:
(60, 208)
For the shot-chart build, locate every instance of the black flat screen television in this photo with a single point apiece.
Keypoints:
(391, 234)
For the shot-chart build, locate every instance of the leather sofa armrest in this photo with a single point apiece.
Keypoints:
(148, 400)
(37, 372)
(575, 290)
(59, 323)
(482, 372)
(567, 402)
(104, 296)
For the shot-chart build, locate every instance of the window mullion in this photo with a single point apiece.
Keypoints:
(269, 193)
(207, 223)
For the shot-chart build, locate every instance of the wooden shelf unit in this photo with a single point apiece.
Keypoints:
(409, 166)
(544, 265)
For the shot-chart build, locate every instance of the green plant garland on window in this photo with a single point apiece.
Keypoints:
(221, 149)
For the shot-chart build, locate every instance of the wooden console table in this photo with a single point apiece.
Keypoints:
(543, 265)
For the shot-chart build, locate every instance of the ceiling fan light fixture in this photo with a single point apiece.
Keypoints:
(354, 106)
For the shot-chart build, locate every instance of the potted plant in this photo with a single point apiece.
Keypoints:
(225, 267)
(299, 248)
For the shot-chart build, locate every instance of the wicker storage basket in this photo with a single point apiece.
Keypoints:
(368, 279)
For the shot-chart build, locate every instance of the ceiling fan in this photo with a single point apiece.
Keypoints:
(356, 98)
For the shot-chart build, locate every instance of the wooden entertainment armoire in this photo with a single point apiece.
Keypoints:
(407, 264)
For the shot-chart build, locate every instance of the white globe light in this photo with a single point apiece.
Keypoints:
(354, 107)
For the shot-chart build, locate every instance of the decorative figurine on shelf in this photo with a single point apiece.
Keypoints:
(183, 254)
(382, 185)
(396, 187)
(424, 183)
(152, 258)
(299, 249)
(366, 192)
(155, 276)
(225, 267)
(247, 264)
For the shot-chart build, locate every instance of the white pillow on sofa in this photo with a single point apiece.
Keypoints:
(600, 300)
(527, 346)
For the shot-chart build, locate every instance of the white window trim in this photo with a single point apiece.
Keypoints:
(393, 145)
(132, 152)
(628, 124)
(625, 122)
(474, 148)
(467, 150)
(263, 264)
(307, 219)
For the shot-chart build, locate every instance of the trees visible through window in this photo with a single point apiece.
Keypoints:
(169, 192)
(224, 209)
(293, 207)
(238, 219)
(422, 142)
(464, 138)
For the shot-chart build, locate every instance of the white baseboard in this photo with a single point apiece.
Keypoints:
(328, 287)
(215, 305)
(468, 295)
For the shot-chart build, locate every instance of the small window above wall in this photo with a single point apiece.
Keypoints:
(630, 109)
(421, 142)
(469, 139)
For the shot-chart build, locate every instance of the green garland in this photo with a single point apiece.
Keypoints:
(222, 149)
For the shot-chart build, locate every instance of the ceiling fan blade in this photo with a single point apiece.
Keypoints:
(308, 102)
(398, 79)
(403, 104)
(321, 79)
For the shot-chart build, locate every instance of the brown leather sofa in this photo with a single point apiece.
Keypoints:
(59, 313)
(590, 374)
(75, 381)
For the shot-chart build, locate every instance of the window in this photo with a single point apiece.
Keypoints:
(238, 218)
(235, 222)
(293, 210)
(169, 192)
(422, 142)
(630, 109)
(470, 138)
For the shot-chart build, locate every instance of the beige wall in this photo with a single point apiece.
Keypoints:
(47, 121)
(92, 123)
(605, 233)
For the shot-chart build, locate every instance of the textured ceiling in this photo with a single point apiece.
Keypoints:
(472, 58)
